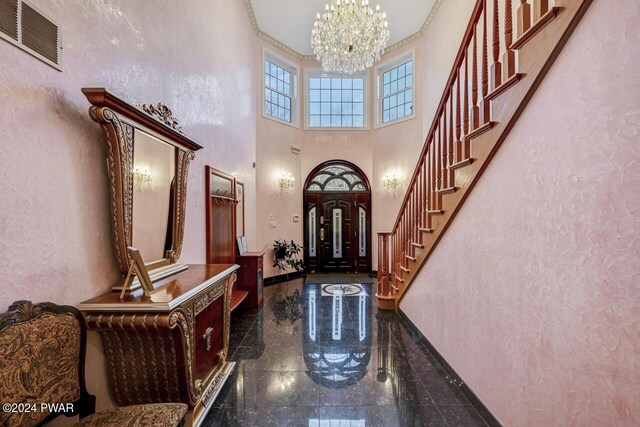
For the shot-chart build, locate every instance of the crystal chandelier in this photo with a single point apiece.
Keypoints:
(349, 36)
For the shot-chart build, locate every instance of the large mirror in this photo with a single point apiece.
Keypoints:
(148, 159)
(154, 168)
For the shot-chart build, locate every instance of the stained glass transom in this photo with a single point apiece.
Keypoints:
(337, 177)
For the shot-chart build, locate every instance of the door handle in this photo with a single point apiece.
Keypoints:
(322, 234)
(207, 337)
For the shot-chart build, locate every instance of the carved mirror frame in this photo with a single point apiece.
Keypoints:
(118, 119)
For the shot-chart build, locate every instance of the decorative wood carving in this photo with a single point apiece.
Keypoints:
(118, 119)
(151, 349)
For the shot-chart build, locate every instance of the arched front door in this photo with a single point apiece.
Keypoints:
(337, 218)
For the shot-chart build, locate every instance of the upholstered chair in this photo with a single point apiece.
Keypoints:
(42, 354)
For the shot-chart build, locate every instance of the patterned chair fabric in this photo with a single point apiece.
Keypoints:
(153, 415)
(39, 361)
(42, 349)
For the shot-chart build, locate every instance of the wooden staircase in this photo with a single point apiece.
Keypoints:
(480, 105)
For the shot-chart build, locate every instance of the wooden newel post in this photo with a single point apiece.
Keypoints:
(384, 293)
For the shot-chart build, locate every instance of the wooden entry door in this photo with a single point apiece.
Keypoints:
(337, 224)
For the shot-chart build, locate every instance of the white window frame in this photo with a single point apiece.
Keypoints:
(318, 72)
(380, 70)
(295, 106)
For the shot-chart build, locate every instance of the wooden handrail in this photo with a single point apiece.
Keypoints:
(464, 114)
(466, 41)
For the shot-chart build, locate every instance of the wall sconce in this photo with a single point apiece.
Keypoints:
(142, 178)
(286, 183)
(390, 183)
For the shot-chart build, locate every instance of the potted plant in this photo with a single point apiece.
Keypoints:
(286, 256)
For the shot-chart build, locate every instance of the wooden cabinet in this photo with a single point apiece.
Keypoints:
(250, 277)
(170, 346)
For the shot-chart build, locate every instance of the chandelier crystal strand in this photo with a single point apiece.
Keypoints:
(349, 36)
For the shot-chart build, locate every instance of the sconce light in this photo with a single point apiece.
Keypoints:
(390, 182)
(142, 178)
(286, 183)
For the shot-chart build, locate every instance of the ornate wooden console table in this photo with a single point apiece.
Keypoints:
(172, 345)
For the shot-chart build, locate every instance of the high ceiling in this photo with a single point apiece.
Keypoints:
(290, 21)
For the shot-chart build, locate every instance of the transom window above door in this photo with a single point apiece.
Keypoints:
(336, 101)
(337, 177)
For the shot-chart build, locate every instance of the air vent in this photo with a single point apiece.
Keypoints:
(28, 28)
(9, 18)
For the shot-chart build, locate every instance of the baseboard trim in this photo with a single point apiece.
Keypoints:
(274, 280)
(482, 409)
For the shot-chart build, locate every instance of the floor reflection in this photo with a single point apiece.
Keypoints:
(314, 356)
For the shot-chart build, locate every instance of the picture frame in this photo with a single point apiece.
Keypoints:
(242, 245)
(138, 269)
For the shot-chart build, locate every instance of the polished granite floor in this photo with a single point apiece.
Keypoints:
(313, 358)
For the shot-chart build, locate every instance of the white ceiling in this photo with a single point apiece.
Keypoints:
(290, 21)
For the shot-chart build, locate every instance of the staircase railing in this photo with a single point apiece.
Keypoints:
(463, 114)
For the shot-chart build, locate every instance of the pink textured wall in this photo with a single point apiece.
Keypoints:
(533, 295)
(55, 234)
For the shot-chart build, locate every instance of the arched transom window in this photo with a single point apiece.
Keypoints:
(337, 177)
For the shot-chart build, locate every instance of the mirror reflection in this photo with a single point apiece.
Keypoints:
(153, 181)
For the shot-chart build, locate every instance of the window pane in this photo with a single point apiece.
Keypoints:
(409, 80)
(408, 95)
(408, 109)
(393, 101)
(280, 86)
(409, 67)
(401, 71)
(267, 108)
(386, 77)
(394, 74)
(287, 115)
(358, 121)
(287, 103)
(280, 73)
(394, 86)
(385, 116)
(287, 76)
(387, 89)
(401, 83)
(335, 102)
(385, 104)
(401, 98)
(393, 114)
(287, 89)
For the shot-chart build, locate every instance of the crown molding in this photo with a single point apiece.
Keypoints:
(298, 55)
